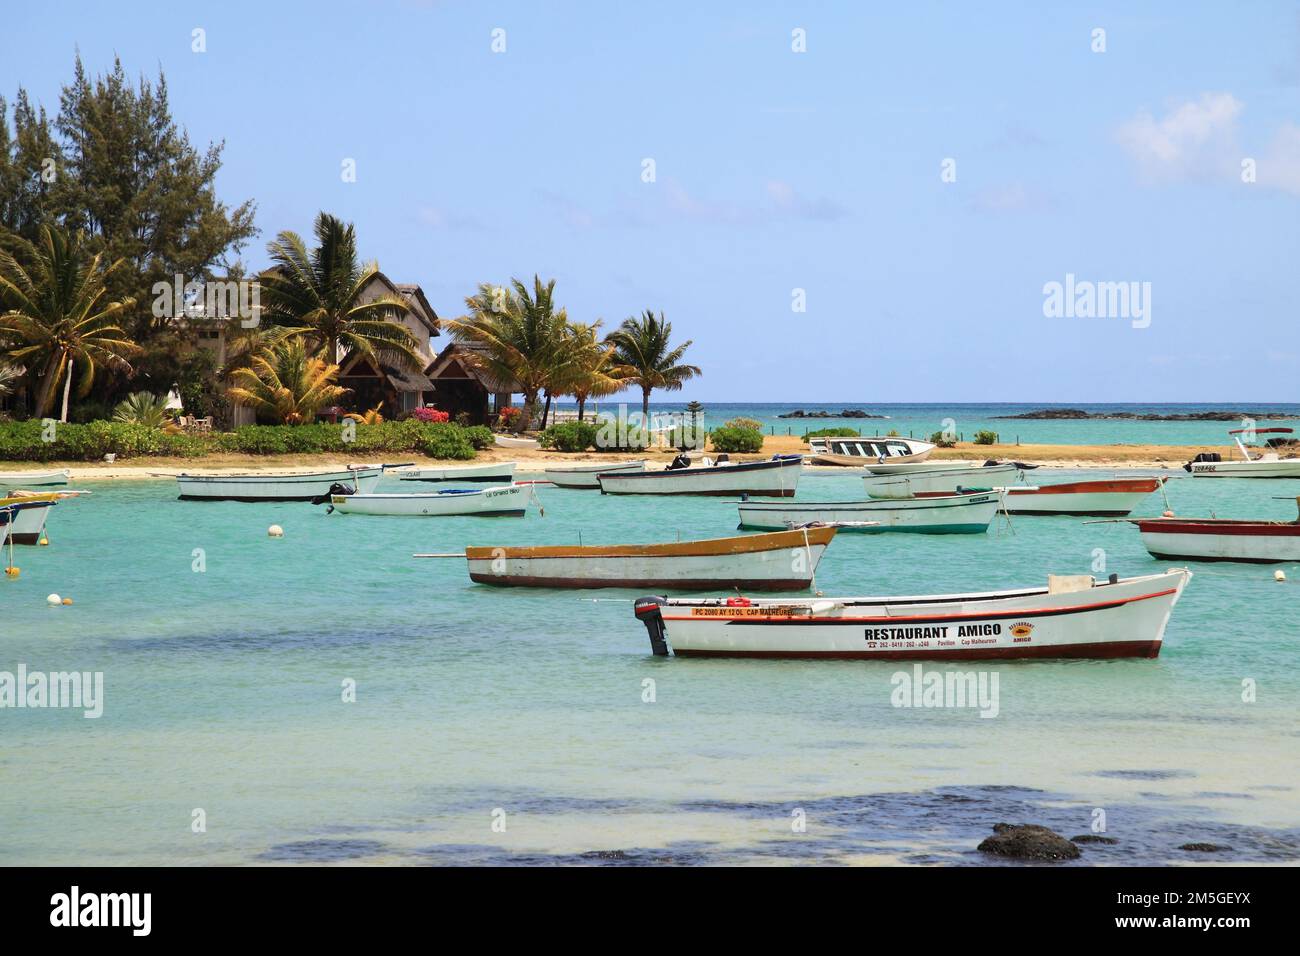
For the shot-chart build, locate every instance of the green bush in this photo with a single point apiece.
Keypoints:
(753, 424)
(450, 441)
(480, 436)
(986, 438)
(731, 439)
(568, 436)
(938, 438)
(840, 432)
(23, 441)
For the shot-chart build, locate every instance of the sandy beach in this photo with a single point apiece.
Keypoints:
(1048, 456)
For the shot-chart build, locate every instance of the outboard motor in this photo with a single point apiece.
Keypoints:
(648, 612)
(681, 461)
(338, 488)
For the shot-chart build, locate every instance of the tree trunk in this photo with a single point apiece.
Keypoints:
(546, 410)
(526, 419)
(45, 392)
(582, 403)
(67, 387)
(645, 405)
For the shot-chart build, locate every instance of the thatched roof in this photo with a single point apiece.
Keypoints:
(460, 360)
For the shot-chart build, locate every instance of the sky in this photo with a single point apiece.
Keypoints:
(844, 202)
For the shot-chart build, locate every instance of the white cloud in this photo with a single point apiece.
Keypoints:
(1196, 139)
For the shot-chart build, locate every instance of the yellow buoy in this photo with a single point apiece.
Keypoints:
(44, 541)
(11, 572)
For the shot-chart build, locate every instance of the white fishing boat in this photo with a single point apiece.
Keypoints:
(1265, 464)
(1074, 616)
(276, 486)
(776, 478)
(946, 480)
(588, 476)
(496, 473)
(1109, 497)
(26, 517)
(856, 451)
(514, 441)
(507, 500)
(34, 479)
(1221, 539)
(784, 561)
(939, 514)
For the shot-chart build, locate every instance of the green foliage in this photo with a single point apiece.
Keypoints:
(753, 424)
(839, 432)
(480, 436)
(449, 441)
(141, 408)
(986, 438)
(21, 441)
(730, 439)
(568, 436)
(943, 441)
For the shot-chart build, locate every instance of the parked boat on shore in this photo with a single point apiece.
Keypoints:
(1075, 616)
(776, 478)
(273, 486)
(497, 473)
(937, 514)
(588, 476)
(1264, 465)
(1114, 497)
(514, 441)
(34, 479)
(785, 561)
(856, 451)
(507, 500)
(947, 479)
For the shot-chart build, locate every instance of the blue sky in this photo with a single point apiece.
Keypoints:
(777, 170)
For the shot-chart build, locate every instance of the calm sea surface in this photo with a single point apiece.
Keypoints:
(223, 693)
(923, 420)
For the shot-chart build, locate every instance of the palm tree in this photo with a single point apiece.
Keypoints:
(52, 318)
(286, 383)
(316, 294)
(8, 375)
(590, 370)
(142, 408)
(643, 347)
(520, 335)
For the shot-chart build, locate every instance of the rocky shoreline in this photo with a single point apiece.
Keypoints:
(1053, 414)
(847, 413)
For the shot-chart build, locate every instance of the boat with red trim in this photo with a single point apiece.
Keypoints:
(1113, 497)
(1074, 616)
(1221, 539)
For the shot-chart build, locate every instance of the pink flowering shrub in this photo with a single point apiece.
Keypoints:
(430, 415)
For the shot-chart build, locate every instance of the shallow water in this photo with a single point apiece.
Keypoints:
(223, 692)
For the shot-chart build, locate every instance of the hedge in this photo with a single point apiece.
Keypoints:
(744, 440)
(840, 432)
(23, 441)
(568, 436)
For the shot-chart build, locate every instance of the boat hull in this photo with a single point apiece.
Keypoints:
(273, 487)
(950, 514)
(505, 501)
(1251, 542)
(856, 452)
(26, 521)
(1125, 619)
(588, 476)
(1110, 499)
(1283, 468)
(944, 480)
(496, 473)
(34, 479)
(766, 562)
(763, 479)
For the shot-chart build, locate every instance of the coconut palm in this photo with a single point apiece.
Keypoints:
(589, 369)
(519, 334)
(286, 383)
(142, 408)
(8, 375)
(644, 350)
(316, 293)
(53, 317)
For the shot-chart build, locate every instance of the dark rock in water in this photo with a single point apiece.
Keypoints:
(847, 413)
(1028, 842)
(1093, 838)
(1051, 414)
(1203, 847)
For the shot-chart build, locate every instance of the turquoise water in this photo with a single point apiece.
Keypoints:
(923, 420)
(223, 692)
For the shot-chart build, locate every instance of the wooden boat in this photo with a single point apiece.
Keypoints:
(34, 479)
(784, 561)
(1221, 539)
(273, 486)
(937, 514)
(506, 500)
(511, 441)
(946, 480)
(777, 478)
(26, 516)
(497, 473)
(588, 476)
(857, 451)
(1074, 616)
(1110, 497)
(1264, 465)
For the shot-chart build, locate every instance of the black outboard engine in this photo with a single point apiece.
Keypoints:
(338, 488)
(681, 461)
(647, 611)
